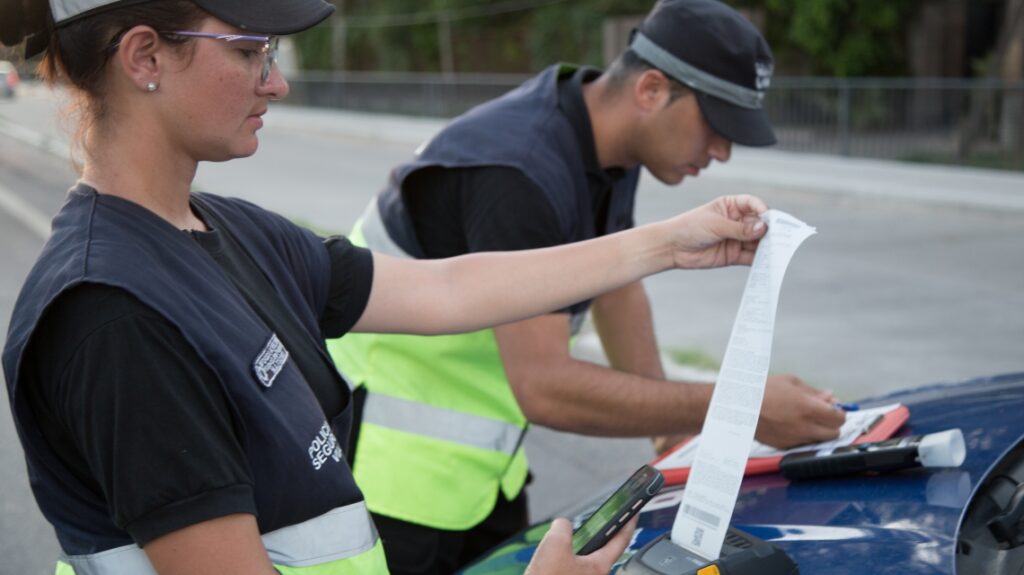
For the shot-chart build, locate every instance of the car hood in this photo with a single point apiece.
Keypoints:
(903, 522)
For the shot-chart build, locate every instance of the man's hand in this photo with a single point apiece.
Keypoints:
(794, 413)
(722, 232)
(554, 555)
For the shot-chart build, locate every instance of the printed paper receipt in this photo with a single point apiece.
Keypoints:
(714, 482)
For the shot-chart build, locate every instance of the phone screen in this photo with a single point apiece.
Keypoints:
(626, 499)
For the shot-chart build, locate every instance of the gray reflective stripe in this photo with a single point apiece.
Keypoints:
(440, 423)
(340, 533)
(694, 77)
(127, 560)
(376, 234)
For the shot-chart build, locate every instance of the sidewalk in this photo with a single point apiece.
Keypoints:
(33, 122)
(951, 185)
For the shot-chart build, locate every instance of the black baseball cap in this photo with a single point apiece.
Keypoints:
(717, 52)
(274, 17)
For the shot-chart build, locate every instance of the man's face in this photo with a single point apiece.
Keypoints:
(678, 141)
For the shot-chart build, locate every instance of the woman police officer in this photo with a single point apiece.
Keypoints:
(165, 360)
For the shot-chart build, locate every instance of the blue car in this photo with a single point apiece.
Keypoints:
(964, 521)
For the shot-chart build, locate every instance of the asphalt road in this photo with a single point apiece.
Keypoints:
(890, 293)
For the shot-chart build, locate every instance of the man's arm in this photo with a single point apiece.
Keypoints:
(625, 325)
(626, 328)
(558, 391)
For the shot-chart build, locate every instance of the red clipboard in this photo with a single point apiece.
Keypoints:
(881, 430)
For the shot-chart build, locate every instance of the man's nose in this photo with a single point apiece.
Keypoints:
(719, 148)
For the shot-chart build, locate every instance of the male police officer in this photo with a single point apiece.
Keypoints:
(439, 453)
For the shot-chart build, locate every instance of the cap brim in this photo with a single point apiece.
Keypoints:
(743, 126)
(275, 17)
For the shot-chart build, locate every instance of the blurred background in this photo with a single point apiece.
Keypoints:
(919, 80)
(901, 129)
(931, 81)
(935, 81)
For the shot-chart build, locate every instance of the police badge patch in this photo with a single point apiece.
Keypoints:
(270, 361)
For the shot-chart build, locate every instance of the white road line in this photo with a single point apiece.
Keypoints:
(36, 221)
(33, 138)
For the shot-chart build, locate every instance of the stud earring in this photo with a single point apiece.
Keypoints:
(151, 87)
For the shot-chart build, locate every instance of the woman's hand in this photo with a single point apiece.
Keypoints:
(554, 555)
(722, 232)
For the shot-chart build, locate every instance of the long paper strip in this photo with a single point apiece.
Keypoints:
(728, 432)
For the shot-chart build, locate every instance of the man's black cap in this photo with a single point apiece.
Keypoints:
(716, 51)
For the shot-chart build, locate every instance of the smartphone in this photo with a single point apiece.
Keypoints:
(626, 502)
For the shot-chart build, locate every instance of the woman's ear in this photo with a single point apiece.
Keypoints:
(141, 55)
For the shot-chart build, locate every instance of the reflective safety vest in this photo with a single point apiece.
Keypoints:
(431, 454)
(342, 541)
(441, 430)
(309, 510)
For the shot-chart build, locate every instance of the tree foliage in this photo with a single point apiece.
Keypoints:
(840, 37)
(826, 37)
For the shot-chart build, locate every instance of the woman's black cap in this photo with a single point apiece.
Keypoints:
(275, 17)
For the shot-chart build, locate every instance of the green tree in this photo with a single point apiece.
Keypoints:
(314, 48)
(839, 37)
(822, 37)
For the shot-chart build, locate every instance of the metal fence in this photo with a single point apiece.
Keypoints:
(911, 119)
(942, 120)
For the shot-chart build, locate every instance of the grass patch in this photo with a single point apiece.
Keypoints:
(694, 358)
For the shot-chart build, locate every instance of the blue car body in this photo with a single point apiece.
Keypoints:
(906, 522)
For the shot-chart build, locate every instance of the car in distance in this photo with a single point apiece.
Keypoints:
(8, 79)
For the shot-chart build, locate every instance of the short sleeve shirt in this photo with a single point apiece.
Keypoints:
(112, 379)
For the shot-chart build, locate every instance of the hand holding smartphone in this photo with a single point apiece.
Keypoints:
(617, 510)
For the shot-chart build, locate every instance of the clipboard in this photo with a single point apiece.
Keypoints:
(884, 427)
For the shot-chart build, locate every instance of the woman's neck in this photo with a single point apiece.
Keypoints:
(141, 168)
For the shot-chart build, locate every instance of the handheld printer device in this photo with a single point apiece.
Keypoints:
(742, 554)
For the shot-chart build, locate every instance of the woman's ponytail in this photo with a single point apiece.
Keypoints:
(21, 19)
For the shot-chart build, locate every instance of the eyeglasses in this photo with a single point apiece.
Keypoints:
(268, 50)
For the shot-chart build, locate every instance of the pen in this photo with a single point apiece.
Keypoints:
(848, 406)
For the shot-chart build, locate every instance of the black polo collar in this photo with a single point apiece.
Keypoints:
(570, 101)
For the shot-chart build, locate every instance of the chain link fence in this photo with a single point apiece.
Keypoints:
(977, 122)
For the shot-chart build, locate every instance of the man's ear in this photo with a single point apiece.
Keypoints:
(651, 90)
(141, 56)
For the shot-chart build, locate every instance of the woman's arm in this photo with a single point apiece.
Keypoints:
(223, 546)
(481, 290)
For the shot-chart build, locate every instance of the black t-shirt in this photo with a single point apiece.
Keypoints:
(498, 208)
(135, 414)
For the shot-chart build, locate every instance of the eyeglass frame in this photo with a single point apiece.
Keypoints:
(269, 51)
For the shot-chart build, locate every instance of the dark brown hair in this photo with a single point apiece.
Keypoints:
(77, 53)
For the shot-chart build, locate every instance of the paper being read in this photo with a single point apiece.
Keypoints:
(857, 423)
(714, 481)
